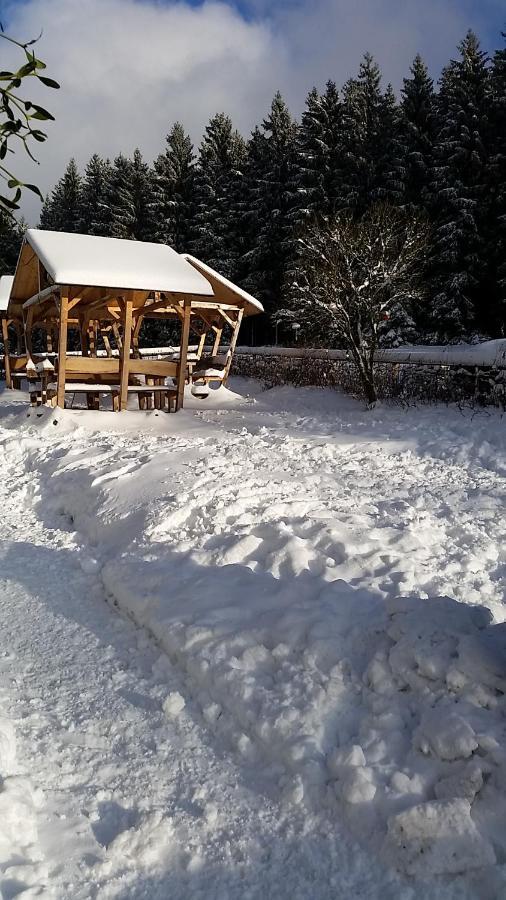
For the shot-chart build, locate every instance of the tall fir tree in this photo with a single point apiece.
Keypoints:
(318, 160)
(95, 197)
(417, 134)
(371, 169)
(496, 235)
(216, 236)
(269, 196)
(459, 194)
(174, 189)
(62, 210)
(11, 238)
(131, 193)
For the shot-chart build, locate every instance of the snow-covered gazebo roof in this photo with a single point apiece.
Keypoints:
(5, 291)
(102, 262)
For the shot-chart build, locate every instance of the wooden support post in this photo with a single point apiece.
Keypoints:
(217, 340)
(28, 328)
(107, 343)
(233, 342)
(19, 340)
(92, 338)
(183, 354)
(7, 362)
(135, 336)
(201, 344)
(125, 353)
(62, 346)
(85, 344)
(119, 339)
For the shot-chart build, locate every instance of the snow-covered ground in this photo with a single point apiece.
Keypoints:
(296, 685)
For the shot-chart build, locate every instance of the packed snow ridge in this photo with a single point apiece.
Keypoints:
(329, 584)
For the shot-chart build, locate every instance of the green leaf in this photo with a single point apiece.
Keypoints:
(10, 204)
(27, 69)
(49, 82)
(41, 114)
(34, 189)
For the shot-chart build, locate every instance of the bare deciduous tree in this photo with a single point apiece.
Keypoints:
(352, 273)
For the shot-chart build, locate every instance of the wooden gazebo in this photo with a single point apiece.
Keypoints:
(99, 285)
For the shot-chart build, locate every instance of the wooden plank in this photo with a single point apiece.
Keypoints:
(92, 338)
(28, 327)
(107, 343)
(125, 353)
(17, 364)
(183, 355)
(135, 336)
(62, 347)
(83, 327)
(217, 341)
(233, 342)
(201, 344)
(151, 307)
(93, 365)
(7, 363)
(158, 368)
(227, 318)
(117, 335)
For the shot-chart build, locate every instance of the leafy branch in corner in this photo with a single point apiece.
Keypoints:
(20, 118)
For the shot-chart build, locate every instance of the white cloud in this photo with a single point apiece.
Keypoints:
(128, 69)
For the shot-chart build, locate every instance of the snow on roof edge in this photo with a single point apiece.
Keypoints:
(6, 282)
(225, 281)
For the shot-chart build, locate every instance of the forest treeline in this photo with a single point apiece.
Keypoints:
(438, 150)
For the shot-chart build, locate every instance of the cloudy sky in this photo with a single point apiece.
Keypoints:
(129, 68)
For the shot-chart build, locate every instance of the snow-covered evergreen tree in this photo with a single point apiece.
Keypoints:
(371, 169)
(11, 238)
(62, 210)
(174, 183)
(459, 193)
(131, 199)
(417, 134)
(318, 160)
(95, 197)
(269, 198)
(218, 187)
(496, 234)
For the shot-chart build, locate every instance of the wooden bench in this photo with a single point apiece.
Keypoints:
(95, 376)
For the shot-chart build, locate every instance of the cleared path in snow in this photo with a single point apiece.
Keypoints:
(124, 802)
